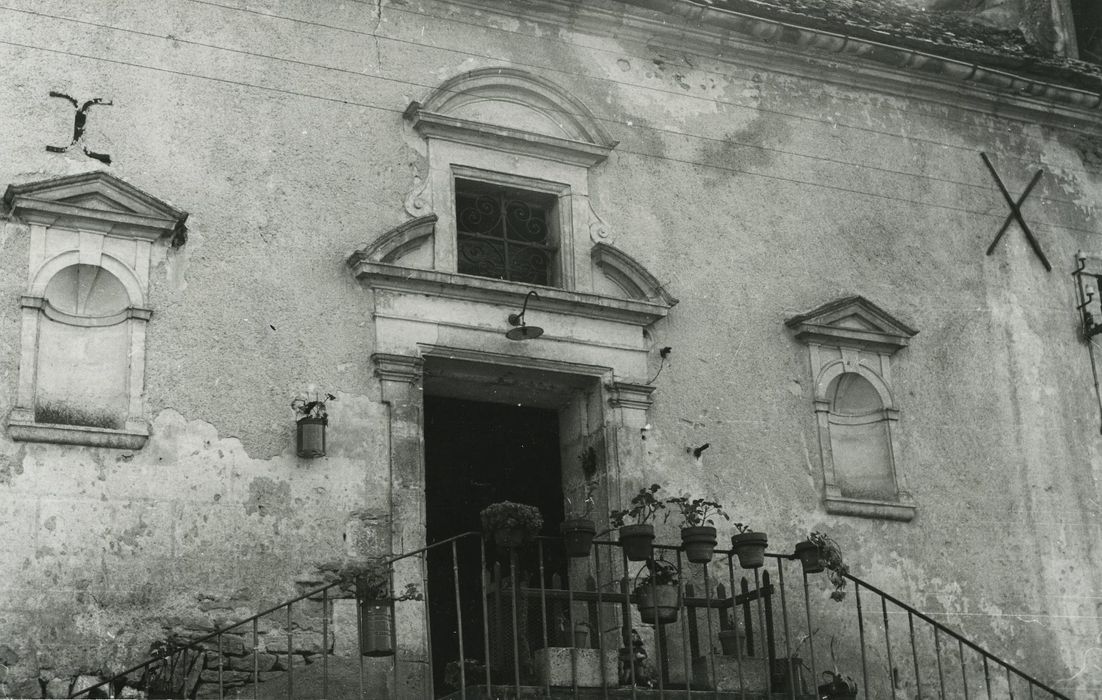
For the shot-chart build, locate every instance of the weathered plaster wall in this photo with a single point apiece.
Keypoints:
(754, 194)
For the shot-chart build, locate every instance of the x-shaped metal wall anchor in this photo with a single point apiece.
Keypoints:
(79, 120)
(1016, 212)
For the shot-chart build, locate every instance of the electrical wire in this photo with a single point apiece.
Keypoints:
(756, 109)
(412, 84)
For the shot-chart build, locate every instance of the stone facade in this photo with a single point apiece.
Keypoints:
(720, 178)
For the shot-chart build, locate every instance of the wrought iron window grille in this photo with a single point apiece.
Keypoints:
(505, 233)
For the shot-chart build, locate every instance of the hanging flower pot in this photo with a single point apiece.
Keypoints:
(750, 548)
(577, 534)
(808, 552)
(310, 426)
(699, 543)
(310, 437)
(659, 603)
(637, 541)
(376, 628)
(657, 596)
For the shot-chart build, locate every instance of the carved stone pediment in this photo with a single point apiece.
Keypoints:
(512, 110)
(95, 201)
(852, 322)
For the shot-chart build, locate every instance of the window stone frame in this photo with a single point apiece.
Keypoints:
(91, 219)
(854, 335)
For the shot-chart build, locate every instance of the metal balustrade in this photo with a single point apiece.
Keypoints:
(532, 622)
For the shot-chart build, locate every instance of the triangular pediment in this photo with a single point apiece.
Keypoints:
(95, 201)
(852, 321)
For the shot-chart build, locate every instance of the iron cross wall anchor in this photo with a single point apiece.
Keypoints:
(1016, 212)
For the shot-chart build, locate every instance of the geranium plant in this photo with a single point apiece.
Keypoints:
(697, 512)
(312, 409)
(644, 508)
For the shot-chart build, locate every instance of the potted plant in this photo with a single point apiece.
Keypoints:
(511, 525)
(370, 579)
(838, 687)
(749, 546)
(637, 539)
(731, 641)
(657, 594)
(808, 554)
(830, 558)
(578, 529)
(310, 425)
(698, 532)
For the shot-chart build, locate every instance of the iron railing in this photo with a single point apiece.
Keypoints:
(532, 622)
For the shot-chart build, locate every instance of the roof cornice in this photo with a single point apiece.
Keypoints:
(771, 44)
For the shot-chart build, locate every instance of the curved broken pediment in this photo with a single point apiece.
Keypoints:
(399, 241)
(629, 275)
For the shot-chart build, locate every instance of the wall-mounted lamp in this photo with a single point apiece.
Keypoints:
(1086, 295)
(523, 331)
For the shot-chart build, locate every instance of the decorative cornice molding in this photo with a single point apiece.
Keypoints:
(629, 395)
(503, 138)
(55, 314)
(507, 295)
(770, 44)
(398, 368)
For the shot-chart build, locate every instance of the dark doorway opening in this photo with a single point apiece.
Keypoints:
(479, 453)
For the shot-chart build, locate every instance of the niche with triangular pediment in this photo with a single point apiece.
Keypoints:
(851, 342)
(82, 365)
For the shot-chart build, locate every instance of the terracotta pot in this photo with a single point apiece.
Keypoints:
(750, 548)
(657, 601)
(577, 536)
(699, 543)
(310, 437)
(808, 552)
(637, 541)
(376, 628)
